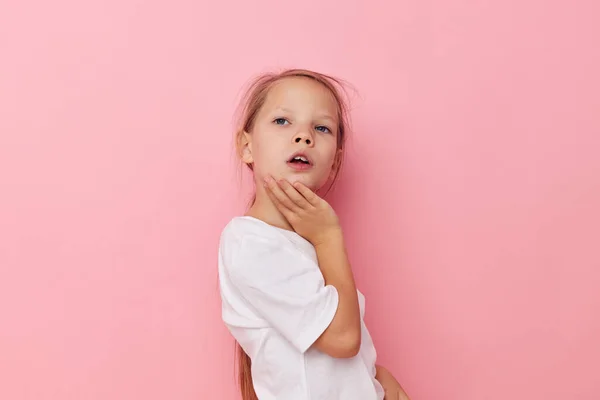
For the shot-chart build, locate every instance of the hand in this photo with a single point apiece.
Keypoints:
(310, 216)
(393, 390)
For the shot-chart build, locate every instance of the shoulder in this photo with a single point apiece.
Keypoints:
(243, 227)
(251, 237)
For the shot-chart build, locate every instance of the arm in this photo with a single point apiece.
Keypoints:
(342, 337)
(315, 220)
(393, 390)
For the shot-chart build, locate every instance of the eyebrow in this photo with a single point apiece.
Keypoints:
(320, 116)
(325, 116)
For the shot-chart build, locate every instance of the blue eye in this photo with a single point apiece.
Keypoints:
(324, 129)
(280, 121)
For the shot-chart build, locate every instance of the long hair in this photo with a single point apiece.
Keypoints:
(250, 105)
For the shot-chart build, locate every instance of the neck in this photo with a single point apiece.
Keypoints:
(264, 209)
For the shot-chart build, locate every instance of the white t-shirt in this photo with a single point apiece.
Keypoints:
(276, 305)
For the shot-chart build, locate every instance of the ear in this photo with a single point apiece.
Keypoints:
(245, 147)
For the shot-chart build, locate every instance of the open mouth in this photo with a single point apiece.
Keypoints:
(299, 160)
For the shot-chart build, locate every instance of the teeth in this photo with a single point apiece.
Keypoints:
(301, 159)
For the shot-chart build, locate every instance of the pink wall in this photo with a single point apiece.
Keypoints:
(471, 195)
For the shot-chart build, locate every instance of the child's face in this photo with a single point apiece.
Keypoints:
(299, 116)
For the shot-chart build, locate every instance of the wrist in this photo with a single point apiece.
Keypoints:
(332, 236)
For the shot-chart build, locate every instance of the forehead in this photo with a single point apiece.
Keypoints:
(299, 94)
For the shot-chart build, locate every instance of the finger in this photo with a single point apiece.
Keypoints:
(283, 198)
(294, 195)
(308, 194)
(287, 213)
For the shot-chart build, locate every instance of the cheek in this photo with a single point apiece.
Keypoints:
(265, 150)
(330, 158)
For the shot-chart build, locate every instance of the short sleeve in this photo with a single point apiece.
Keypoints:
(284, 287)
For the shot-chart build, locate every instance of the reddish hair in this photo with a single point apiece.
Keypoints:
(250, 105)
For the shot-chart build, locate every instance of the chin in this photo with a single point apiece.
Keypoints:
(306, 180)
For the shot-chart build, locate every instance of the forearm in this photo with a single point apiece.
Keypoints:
(392, 387)
(382, 373)
(337, 272)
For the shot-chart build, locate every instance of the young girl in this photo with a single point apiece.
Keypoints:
(288, 293)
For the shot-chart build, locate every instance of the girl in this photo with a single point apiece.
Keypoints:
(287, 289)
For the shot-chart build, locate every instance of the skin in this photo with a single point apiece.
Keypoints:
(300, 114)
(393, 390)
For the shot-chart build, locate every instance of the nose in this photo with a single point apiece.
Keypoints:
(304, 137)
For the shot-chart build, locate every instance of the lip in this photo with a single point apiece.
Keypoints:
(300, 166)
(301, 154)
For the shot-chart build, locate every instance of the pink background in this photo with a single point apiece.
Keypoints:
(471, 197)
